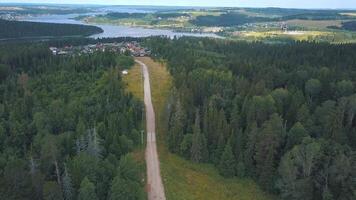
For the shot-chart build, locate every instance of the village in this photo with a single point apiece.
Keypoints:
(133, 48)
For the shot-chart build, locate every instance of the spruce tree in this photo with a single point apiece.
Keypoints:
(87, 190)
(227, 163)
(94, 143)
(176, 132)
(295, 135)
(267, 150)
(199, 151)
(250, 151)
(67, 185)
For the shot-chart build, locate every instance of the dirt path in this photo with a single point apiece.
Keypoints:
(155, 188)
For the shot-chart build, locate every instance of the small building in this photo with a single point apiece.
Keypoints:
(125, 72)
(54, 50)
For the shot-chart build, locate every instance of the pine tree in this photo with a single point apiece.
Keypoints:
(80, 129)
(295, 170)
(269, 143)
(176, 132)
(36, 177)
(52, 191)
(186, 145)
(87, 190)
(250, 151)
(199, 151)
(219, 150)
(67, 185)
(127, 182)
(227, 163)
(123, 189)
(94, 143)
(295, 135)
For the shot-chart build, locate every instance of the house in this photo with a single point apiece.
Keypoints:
(125, 72)
(54, 50)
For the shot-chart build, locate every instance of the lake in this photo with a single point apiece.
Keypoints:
(115, 30)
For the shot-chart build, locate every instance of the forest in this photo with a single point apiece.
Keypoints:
(286, 120)
(227, 19)
(33, 9)
(349, 25)
(235, 18)
(282, 12)
(163, 15)
(67, 126)
(119, 15)
(327, 15)
(22, 29)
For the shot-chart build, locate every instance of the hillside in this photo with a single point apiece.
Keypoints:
(21, 29)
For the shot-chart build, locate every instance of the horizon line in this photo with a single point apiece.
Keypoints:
(187, 6)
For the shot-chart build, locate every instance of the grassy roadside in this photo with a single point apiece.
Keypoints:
(134, 81)
(183, 179)
(134, 84)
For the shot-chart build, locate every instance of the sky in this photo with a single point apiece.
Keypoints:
(333, 4)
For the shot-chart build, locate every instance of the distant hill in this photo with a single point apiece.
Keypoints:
(350, 26)
(21, 29)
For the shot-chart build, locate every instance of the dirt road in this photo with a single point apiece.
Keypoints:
(155, 188)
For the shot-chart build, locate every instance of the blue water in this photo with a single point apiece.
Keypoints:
(114, 30)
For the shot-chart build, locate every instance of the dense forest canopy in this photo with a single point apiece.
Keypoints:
(119, 15)
(236, 18)
(22, 29)
(281, 12)
(349, 25)
(170, 15)
(67, 125)
(162, 15)
(319, 16)
(44, 9)
(282, 114)
(228, 19)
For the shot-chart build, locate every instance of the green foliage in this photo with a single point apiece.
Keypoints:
(348, 25)
(186, 145)
(125, 62)
(199, 149)
(175, 136)
(4, 71)
(22, 29)
(227, 163)
(67, 185)
(295, 135)
(87, 190)
(296, 169)
(52, 191)
(306, 162)
(249, 99)
(268, 145)
(127, 184)
(120, 15)
(66, 118)
(228, 19)
(313, 87)
(344, 88)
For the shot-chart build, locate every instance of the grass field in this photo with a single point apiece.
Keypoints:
(314, 24)
(353, 14)
(320, 36)
(134, 81)
(184, 179)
